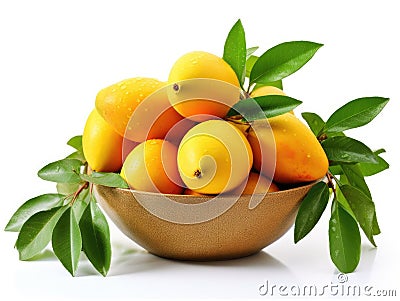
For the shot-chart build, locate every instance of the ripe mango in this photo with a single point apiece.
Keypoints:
(202, 85)
(102, 146)
(299, 156)
(137, 108)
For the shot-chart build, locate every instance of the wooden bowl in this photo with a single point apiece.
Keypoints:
(198, 227)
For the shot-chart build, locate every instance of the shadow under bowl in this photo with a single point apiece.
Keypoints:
(201, 227)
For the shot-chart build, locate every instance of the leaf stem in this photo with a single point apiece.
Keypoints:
(330, 178)
(248, 89)
(78, 191)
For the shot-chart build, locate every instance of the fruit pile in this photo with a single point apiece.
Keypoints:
(219, 125)
(175, 137)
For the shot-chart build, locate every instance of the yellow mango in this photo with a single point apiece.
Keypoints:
(137, 108)
(291, 146)
(102, 145)
(202, 86)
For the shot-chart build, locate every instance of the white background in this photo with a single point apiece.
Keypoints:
(56, 55)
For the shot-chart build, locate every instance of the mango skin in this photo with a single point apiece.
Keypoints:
(299, 155)
(214, 99)
(102, 145)
(116, 103)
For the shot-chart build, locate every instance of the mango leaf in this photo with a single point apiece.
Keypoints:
(76, 142)
(333, 134)
(375, 226)
(251, 60)
(80, 204)
(250, 51)
(355, 177)
(314, 121)
(347, 150)
(67, 188)
(36, 232)
(277, 84)
(96, 238)
(282, 60)
(341, 198)
(355, 113)
(311, 209)
(67, 241)
(344, 239)
(235, 50)
(62, 171)
(379, 151)
(106, 179)
(25, 211)
(249, 65)
(369, 169)
(363, 208)
(77, 155)
(264, 107)
(335, 170)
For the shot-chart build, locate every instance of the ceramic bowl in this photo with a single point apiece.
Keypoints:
(199, 227)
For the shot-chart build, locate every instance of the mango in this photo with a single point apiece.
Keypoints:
(290, 145)
(137, 108)
(102, 145)
(202, 86)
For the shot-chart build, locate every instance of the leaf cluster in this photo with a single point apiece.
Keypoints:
(70, 220)
(350, 161)
(268, 69)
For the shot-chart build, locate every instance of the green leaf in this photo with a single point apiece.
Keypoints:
(67, 241)
(334, 134)
(250, 51)
(335, 170)
(363, 208)
(32, 206)
(355, 113)
(77, 155)
(355, 177)
(96, 238)
(277, 84)
(62, 171)
(311, 209)
(235, 50)
(36, 232)
(264, 106)
(340, 197)
(251, 60)
(282, 60)
(67, 188)
(76, 142)
(380, 151)
(314, 121)
(106, 179)
(342, 200)
(80, 204)
(347, 150)
(375, 226)
(344, 239)
(369, 169)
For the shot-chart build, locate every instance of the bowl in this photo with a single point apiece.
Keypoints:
(201, 228)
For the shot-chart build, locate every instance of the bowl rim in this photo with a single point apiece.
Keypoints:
(204, 196)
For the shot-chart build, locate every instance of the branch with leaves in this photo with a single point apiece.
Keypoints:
(70, 219)
(350, 161)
